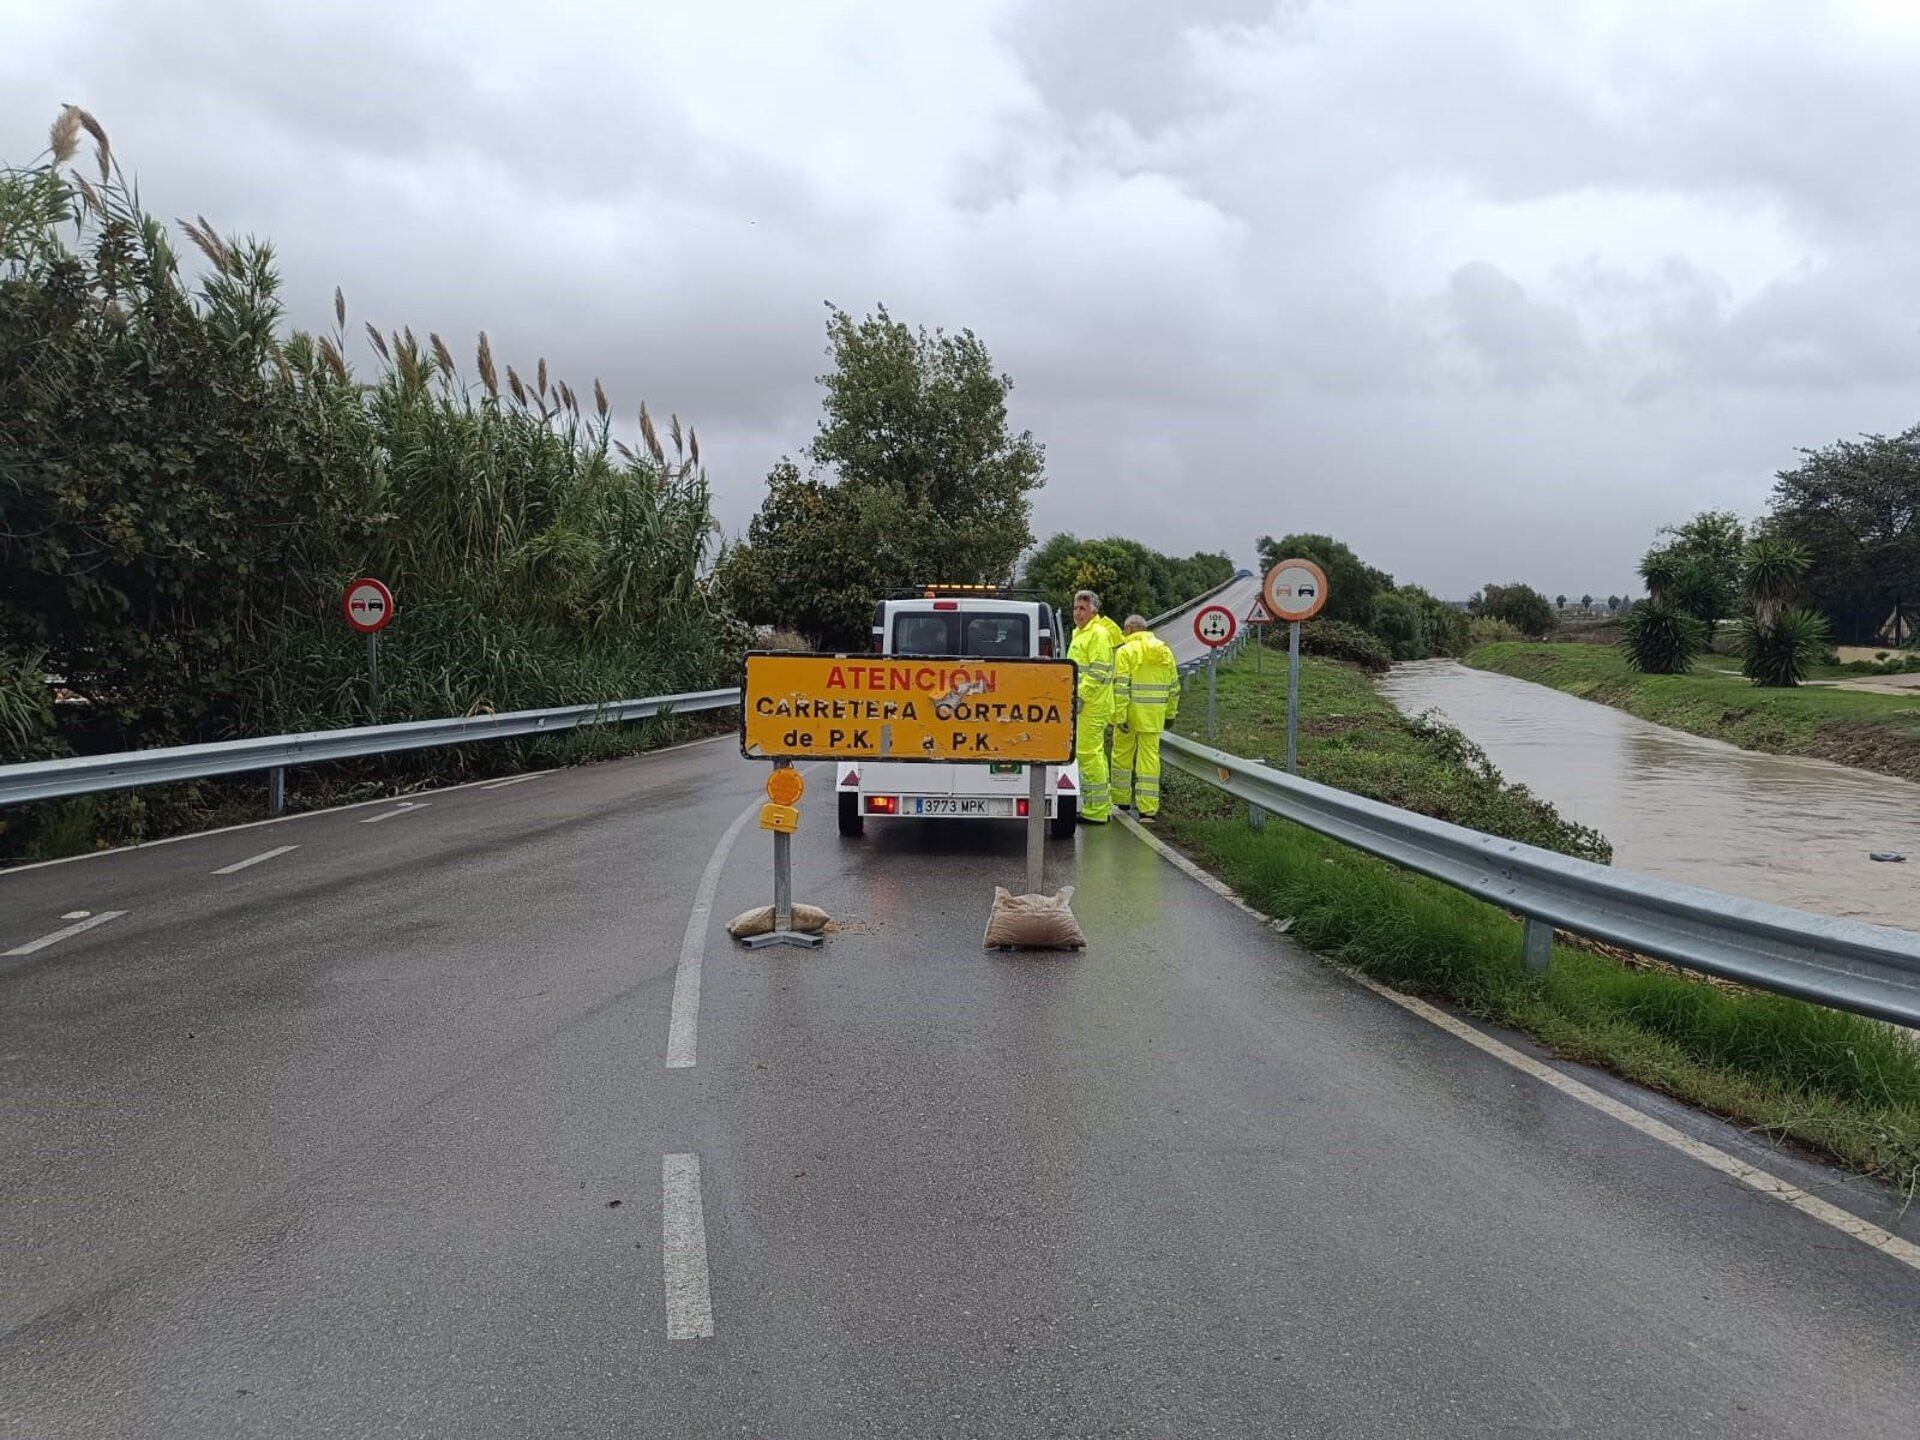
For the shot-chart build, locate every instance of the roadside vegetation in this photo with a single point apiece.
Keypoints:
(1129, 578)
(1835, 1084)
(187, 485)
(913, 475)
(1878, 732)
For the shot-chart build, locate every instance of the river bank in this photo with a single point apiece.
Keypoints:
(1878, 732)
(1833, 1083)
(1787, 829)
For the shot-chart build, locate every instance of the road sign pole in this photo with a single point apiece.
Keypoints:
(1036, 828)
(1257, 648)
(1293, 692)
(373, 674)
(1212, 659)
(783, 932)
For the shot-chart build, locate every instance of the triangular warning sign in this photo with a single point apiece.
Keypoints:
(1259, 614)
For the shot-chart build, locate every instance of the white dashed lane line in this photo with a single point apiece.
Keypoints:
(407, 807)
(683, 1227)
(239, 865)
(45, 940)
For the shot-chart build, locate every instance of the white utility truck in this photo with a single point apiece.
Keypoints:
(976, 622)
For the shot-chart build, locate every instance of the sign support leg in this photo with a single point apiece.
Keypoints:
(1212, 661)
(373, 674)
(1293, 694)
(1036, 827)
(276, 790)
(1254, 640)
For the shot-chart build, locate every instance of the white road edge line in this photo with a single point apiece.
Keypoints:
(239, 865)
(683, 1236)
(514, 780)
(683, 1030)
(1770, 1185)
(45, 940)
(8, 870)
(407, 807)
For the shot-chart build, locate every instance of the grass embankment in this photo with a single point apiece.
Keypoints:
(1834, 1083)
(1852, 727)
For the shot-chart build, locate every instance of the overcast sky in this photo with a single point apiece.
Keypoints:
(1490, 290)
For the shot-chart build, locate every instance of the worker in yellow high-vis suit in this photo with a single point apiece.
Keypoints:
(1146, 694)
(1092, 651)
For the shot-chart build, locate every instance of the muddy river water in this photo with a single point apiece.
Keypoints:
(1796, 832)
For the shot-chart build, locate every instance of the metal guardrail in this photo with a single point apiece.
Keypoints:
(1197, 601)
(85, 774)
(1869, 969)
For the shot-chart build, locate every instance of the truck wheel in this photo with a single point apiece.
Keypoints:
(1065, 818)
(852, 822)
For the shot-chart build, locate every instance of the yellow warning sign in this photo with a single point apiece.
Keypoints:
(858, 707)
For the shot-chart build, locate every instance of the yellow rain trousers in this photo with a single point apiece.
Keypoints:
(1092, 651)
(1146, 692)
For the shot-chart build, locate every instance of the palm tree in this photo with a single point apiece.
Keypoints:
(1559, 602)
(1586, 602)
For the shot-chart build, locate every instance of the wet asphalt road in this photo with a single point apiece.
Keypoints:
(367, 1140)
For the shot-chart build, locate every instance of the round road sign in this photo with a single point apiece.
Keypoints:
(1215, 625)
(1295, 589)
(368, 606)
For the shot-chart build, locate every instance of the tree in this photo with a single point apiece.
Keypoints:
(1698, 569)
(1854, 506)
(1559, 602)
(1586, 602)
(1130, 578)
(1521, 606)
(915, 477)
(1352, 584)
(1614, 602)
(1415, 625)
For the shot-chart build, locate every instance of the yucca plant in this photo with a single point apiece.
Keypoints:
(1784, 650)
(1661, 639)
(1771, 572)
(1661, 570)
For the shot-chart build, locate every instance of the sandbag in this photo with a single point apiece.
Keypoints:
(1033, 922)
(808, 919)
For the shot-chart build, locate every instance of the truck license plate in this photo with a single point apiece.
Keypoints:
(956, 805)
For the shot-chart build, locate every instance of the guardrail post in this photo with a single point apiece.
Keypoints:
(1536, 946)
(276, 790)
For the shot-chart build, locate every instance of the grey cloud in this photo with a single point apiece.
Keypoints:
(1213, 243)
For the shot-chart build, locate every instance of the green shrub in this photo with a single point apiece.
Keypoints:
(1338, 640)
(1486, 630)
(1785, 652)
(1661, 639)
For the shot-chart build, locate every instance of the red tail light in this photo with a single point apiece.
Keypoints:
(1046, 647)
(1020, 808)
(883, 804)
(877, 643)
(946, 604)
